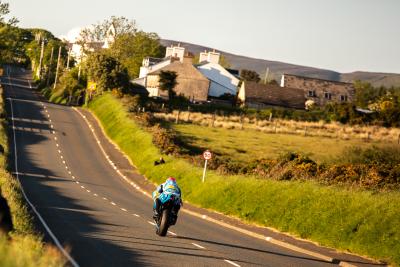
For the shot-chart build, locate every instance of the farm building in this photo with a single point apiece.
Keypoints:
(221, 80)
(318, 90)
(256, 95)
(191, 83)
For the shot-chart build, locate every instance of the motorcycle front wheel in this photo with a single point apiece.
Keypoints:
(163, 223)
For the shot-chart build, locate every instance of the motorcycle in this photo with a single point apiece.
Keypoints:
(167, 213)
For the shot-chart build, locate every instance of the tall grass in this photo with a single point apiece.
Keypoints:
(359, 221)
(25, 248)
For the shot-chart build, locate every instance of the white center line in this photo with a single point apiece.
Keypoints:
(137, 215)
(95, 195)
(104, 198)
(82, 187)
(112, 203)
(123, 209)
(88, 191)
(232, 263)
(151, 223)
(172, 233)
(197, 245)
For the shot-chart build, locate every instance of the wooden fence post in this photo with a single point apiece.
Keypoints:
(213, 119)
(188, 117)
(177, 116)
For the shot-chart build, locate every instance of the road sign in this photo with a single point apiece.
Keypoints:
(92, 86)
(207, 155)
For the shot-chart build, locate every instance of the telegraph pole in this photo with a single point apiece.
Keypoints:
(266, 75)
(41, 60)
(50, 64)
(58, 66)
(68, 59)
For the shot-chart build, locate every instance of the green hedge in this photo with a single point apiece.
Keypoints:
(359, 221)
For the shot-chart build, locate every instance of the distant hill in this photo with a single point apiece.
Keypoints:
(276, 68)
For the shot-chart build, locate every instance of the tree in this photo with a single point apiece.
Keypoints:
(131, 48)
(167, 82)
(107, 72)
(69, 88)
(112, 27)
(250, 75)
(224, 62)
(5, 10)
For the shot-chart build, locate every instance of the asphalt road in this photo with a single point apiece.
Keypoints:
(96, 215)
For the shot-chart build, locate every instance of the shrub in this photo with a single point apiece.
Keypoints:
(164, 140)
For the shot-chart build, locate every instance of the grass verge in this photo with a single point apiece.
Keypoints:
(362, 222)
(26, 247)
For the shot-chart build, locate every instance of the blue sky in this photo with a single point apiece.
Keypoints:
(341, 35)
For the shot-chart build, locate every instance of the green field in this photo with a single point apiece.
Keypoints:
(354, 220)
(248, 145)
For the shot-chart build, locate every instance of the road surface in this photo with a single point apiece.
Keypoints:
(94, 213)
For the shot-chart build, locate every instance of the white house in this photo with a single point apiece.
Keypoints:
(151, 64)
(221, 81)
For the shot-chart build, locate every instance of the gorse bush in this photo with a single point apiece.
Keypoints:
(374, 155)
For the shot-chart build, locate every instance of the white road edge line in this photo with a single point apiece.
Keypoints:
(56, 241)
(151, 223)
(197, 245)
(232, 263)
(136, 215)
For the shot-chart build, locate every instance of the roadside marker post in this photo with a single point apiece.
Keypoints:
(207, 155)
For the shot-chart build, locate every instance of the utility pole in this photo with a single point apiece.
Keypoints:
(41, 60)
(50, 64)
(266, 75)
(69, 55)
(58, 66)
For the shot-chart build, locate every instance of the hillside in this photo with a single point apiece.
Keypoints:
(276, 68)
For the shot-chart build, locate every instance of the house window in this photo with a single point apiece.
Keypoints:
(328, 95)
(343, 98)
(311, 93)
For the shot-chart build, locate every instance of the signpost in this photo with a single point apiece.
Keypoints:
(207, 156)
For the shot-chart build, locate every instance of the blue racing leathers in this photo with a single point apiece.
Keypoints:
(162, 192)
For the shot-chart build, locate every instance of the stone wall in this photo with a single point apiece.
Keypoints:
(321, 91)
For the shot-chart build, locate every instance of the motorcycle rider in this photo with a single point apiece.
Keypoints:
(169, 187)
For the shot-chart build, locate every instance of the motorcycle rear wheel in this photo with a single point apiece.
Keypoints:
(162, 228)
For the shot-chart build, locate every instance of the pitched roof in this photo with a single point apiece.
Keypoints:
(184, 69)
(274, 95)
(191, 82)
(318, 79)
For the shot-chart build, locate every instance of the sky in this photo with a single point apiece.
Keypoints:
(340, 35)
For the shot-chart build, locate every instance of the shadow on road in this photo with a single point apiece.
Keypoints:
(69, 220)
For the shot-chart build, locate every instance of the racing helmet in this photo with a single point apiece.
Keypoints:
(170, 180)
